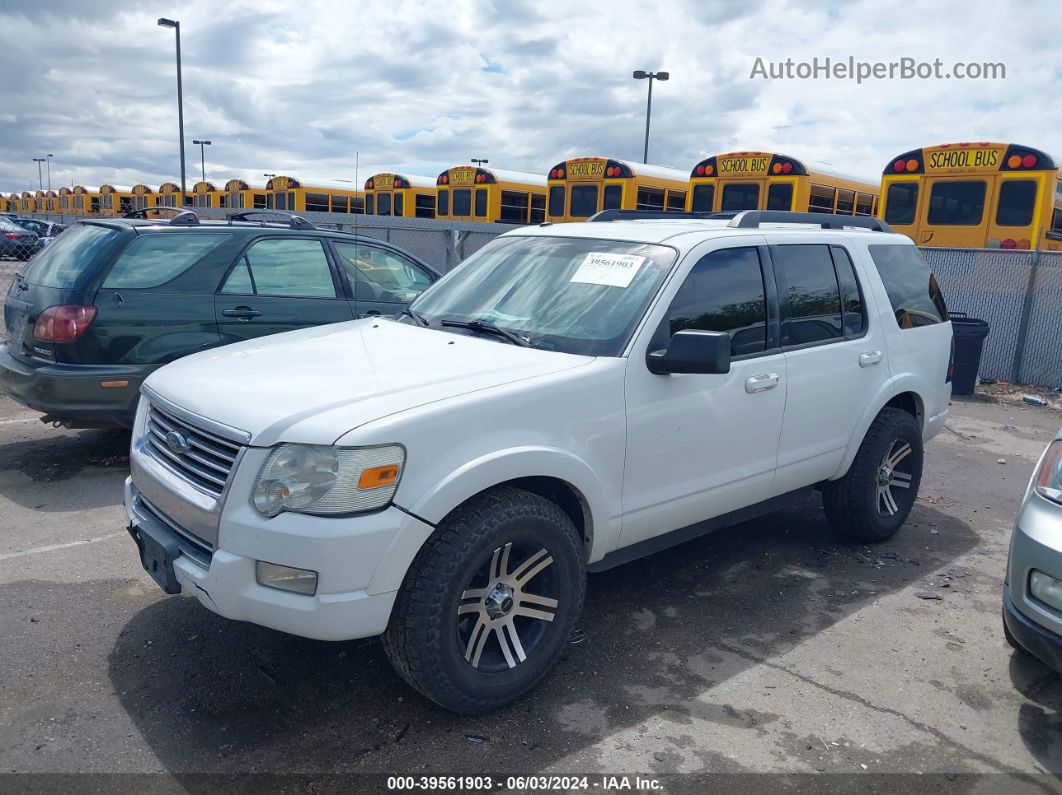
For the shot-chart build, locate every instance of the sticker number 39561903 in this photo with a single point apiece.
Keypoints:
(611, 270)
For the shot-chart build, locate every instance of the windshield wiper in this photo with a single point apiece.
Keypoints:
(486, 327)
(420, 320)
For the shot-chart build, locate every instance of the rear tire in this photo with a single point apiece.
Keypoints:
(489, 602)
(875, 496)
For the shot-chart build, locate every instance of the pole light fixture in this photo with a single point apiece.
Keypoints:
(172, 23)
(202, 156)
(650, 76)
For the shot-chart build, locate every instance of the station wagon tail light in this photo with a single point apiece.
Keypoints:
(1048, 478)
(63, 323)
(325, 480)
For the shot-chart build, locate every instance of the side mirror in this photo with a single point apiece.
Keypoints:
(692, 351)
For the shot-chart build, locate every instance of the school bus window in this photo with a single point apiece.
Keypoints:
(780, 196)
(957, 203)
(845, 201)
(369, 205)
(339, 204)
(463, 202)
(740, 196)
(261, 201)
(282, 201)
(383, 203)
(317, 202)
(704, 197)
(357, 205)
(481, 203)
(513, 207)
(444, 202)
(864, 204)
(1056, 223)
(901, 202)
(676, 200)
(556, 200)
(583, 201)
(613, 199)
(821, 199)
(399, 203)
(650, 199)
(424, 205)
(1017, 197)
(538, 209)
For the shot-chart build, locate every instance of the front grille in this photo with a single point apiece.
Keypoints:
(204, 459)
(190, 544)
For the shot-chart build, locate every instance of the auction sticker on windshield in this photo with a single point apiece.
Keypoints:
(611, 270)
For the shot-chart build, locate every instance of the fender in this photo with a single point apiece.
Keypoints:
(434, 503)
(903, 382)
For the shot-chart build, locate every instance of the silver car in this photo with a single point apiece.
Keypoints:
(1032, 594)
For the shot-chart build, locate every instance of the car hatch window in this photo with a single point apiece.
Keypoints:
(379, 275)
(74, 254)
(152, 260)
(293, 268)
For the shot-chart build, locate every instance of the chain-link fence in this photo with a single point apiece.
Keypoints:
(1019, 293)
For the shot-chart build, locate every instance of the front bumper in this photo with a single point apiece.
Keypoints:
(73, 391)
(346, 557)
(1044, 645)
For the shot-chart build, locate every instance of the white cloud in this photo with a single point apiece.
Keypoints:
(419, 86)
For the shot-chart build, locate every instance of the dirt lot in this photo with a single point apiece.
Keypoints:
(769, 647)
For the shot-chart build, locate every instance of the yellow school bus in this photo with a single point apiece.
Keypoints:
(27, 202)
(241, 195)
(169, 195)
(204, 194)
(974, 195)
(86, 201)
(582, 186)
(402, 195)
(40, 201)
(468, 193)
(143, 196)
(115, 199)
(66, 201)
(320, 196)
(771, 181)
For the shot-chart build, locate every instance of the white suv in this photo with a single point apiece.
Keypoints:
(568, 399)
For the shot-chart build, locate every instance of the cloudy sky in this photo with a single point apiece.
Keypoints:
(310, 88)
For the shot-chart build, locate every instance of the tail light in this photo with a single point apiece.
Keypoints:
(63, 323)
(11, 235)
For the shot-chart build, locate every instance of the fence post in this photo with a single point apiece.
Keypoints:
(1026, 314)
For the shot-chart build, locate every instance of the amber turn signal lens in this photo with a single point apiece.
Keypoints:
(1014, 161)
(114, 384)
(376, 477)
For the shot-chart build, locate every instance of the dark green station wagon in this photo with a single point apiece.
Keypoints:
(112, 300)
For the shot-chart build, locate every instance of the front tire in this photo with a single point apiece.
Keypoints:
(489, 602)
(875, 496)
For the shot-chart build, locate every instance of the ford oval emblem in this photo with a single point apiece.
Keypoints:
(177, 443)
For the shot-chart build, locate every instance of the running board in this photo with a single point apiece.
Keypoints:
(682, 535)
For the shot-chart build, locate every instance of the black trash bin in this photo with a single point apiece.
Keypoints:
(969, 336)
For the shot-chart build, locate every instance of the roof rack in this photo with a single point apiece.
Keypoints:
(752, 219)
(180, 217)
(294, 221)
(636, 215)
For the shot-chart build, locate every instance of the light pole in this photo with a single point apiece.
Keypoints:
(49, 170)
(478, 161)
(651, 76)
(40, 178)
(172, 23)
(202, 157)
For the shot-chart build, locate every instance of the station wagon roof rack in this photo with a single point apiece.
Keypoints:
(642, 215)
(294, 221)
(180, 217)
(752, 219)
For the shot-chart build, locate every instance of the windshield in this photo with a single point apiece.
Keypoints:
(64, 262)
(573, 295)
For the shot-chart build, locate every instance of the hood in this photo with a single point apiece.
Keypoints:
(315, 385)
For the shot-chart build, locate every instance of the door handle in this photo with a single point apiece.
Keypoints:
(761, 383)
(241, 312)
(869, 358)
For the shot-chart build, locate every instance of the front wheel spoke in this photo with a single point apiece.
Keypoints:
(903, 484)
(476, 641)
(471, 607)
(896, 456)
(535, 599)
(531, 567)
(531, 612)
(473, 593)
(890, 503)
(508, 635)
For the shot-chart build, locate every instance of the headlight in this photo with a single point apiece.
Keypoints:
(321, 479)
(1047, 480)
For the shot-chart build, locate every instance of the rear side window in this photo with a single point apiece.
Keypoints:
(780, 196)
(151, 260)
(444, 202)
(481, 203)
(913, 290)
(851, 297)
(703, 197)
(72, 255)
(901, 201)
(556, 200)
(724, 292)
(613, 197)
(1016, 200)
(812, 307)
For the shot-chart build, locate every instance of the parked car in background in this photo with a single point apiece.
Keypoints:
(112, 300)
(568, 399)
(46, 231)
(16, 241)
(1032, 594)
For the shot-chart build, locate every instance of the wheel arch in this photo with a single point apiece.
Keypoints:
(904, 393)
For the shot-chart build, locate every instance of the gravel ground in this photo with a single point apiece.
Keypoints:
(770, 647)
